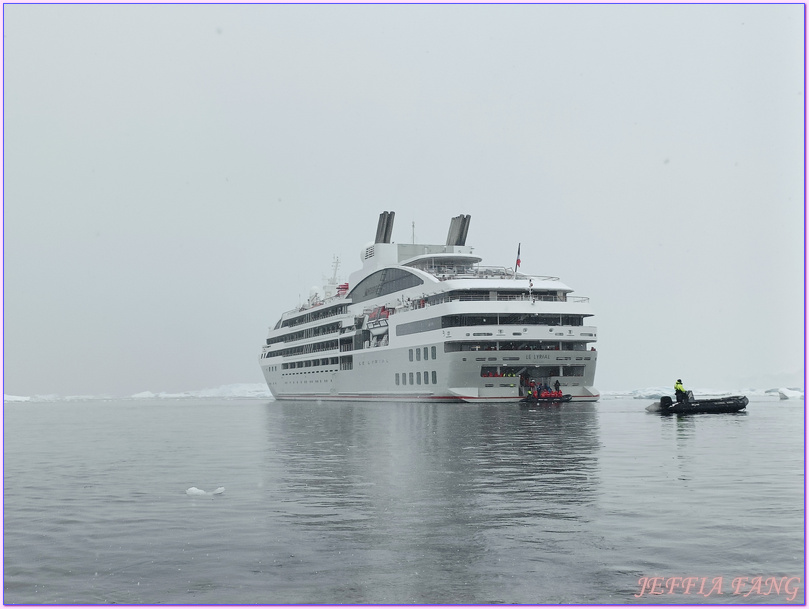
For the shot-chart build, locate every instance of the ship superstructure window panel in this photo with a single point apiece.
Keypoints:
(530, 346)
(452, 321)
(467, 320)
(330, 345)
(414, 327)
(331, 328)
(314, 315)
(503, 295)
(382, 283)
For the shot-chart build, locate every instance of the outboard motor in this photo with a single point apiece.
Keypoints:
(689, 396)
(665, 402)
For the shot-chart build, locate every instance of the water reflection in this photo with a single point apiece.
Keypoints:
(437, 499)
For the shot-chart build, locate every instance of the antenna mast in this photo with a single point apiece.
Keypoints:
(335, 265)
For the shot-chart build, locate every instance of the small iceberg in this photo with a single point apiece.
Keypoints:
(144, 395)
(194, 491)
(786, 394)
(15, 398)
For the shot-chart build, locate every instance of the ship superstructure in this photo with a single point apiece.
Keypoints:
(430, 323)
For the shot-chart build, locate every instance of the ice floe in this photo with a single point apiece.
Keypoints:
(790, 394)
(238, 390)
(234, 391)
(194, 491)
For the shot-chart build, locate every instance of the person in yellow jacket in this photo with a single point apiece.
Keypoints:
(679, 391)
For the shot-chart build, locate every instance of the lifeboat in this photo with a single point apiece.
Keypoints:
(378, 321)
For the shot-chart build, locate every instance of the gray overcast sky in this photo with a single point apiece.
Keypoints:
(175, 177)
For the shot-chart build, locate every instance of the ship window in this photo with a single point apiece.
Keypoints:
(410, 353)
(397, 378)
(404, 378)
(435, 378)
(418, 355)
(433, 351)
(418, 378)
(411, 377)
(426, 378)
(425, 354)
(381, 283)
(414, 327)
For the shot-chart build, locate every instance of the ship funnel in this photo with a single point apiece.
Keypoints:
(458, 228)
(385, 227)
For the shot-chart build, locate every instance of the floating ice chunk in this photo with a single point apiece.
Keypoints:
(15, 398)
(194, 491)
(237, 390)
(144, 395)
(786, 394)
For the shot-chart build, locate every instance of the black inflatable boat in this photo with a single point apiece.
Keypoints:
(694, 406)
(532, 400)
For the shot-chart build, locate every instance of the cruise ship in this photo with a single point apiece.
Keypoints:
(430, 323)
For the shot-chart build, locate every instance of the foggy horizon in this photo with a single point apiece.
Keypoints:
(178, 176)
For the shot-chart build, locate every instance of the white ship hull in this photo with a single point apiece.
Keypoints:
(374, 381)
(474, 335)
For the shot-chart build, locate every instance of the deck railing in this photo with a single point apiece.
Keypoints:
(434, 300)
(444, 273)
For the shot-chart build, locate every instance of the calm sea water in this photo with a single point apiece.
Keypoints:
(401, 503)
